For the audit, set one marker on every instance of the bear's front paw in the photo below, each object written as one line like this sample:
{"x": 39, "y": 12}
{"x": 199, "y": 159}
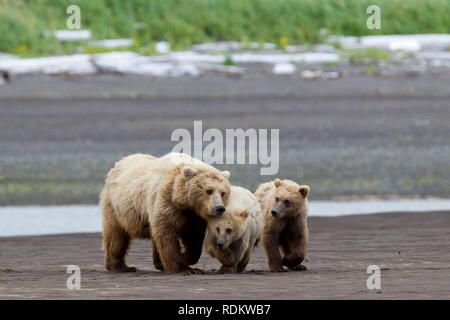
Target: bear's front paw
{"x": 189, "y": 270}
{"x": 122, "y": 268}
{"x": 228, "y": 261}
{"x": 279, "y": 269}
{"x": 225, "y": 269}
{"x": 226, "y": 257}
{"x": 300, "y": 267}
{"x": 130, "y": 269}
{"x": 159, "y": 266}
{"x": 292, "y": 260}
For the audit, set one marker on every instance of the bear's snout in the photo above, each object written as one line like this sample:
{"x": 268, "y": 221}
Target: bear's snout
{"x": 274, "y": 213}
{"x": 219, "y": 245}
{"x": 220, "y": 210}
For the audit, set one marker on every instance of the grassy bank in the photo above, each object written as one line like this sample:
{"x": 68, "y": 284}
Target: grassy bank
{"x": 182, "y": 23}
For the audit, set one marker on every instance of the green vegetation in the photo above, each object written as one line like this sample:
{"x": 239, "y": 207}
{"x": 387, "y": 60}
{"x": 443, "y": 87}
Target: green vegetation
{"x": 183, "y": 23}
{"x": 331, "y": 64}
{"x": 371, "y": 54}
{"x": 371, "y": 69}
{"x": 229, "y": 60}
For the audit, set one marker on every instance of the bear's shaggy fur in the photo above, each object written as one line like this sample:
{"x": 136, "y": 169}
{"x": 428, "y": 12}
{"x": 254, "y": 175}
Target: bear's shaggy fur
{"x": 232, "y": 237}
{"x": 167, "y": 199}
{"x": 285, "y": 207}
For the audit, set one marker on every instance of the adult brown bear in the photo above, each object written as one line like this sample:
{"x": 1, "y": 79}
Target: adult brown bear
{"x": 168, "y": 199}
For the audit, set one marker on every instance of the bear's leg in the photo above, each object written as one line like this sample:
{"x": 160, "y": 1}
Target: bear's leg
{"x": 244, "y": 261}
{"x": 168, "y": 246}
{"x": 295, "y": 258}
{"x": 193, "y": 234}
{"x": 297, "y": 244}
{"x": 271, "y": 247}
{"x": 224, "y": 269}
{"x": 284, "y": 244}
{"x": 156, "y": 258}
{"x": 193, "y": 245}
{"x": 225, "y": 257}
{"x": 116, "y": 243}
{"x": 116, "y": 240}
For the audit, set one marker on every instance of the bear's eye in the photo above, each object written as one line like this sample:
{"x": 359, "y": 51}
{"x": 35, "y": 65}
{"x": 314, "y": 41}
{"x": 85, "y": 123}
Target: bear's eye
{"x": 286, "y": 203}
{"x": 277, "y": 199}
{"x": 209, "y": 191}
{"x": 218, "y": 229}
{"x": 223, "y": 194}
{"x": 228, "y": 230}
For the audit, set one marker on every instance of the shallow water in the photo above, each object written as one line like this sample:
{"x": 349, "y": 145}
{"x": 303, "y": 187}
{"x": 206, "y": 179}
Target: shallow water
{"x": 44, "y": 220}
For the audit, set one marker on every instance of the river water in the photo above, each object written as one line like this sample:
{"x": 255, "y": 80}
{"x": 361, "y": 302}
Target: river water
{"x": 45, "y": 220}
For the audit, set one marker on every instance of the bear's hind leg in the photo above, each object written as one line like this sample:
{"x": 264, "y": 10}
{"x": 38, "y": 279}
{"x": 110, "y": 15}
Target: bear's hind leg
{"x": 156, "y": 258}
{"x": 116, "y": 242}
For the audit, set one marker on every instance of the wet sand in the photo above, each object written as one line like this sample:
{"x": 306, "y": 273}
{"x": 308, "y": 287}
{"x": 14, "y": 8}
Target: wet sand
{"x": 412, "y": 250}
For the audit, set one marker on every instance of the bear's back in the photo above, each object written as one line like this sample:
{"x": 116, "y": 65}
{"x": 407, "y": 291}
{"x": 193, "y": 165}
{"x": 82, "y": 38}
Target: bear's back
{"x": 174, "y": 159}
{"x": 265, "y": 195}
{"x": 132, "y": 179}
{"x": 130, "y": 167}
{"x": 241, "y": 198}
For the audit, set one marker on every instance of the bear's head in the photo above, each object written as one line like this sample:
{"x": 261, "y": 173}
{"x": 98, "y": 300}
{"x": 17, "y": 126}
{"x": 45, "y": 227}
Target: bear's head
{"x": 229, "y": 227}
{"x": 203, "y": 189}
{"x": 290, "y": 198}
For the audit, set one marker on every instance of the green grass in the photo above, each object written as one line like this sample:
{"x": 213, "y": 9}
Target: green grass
{"x": 331, "y": 64}
{"x": 228, "y": 61}
{"x": 371, "y": 69}
{"x": 183, "y": 23}
{"x": 371, "y": 54}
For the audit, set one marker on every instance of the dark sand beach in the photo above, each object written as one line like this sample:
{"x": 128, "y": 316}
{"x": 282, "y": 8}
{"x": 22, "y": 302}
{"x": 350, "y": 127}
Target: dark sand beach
{"x": 412, "y": 250}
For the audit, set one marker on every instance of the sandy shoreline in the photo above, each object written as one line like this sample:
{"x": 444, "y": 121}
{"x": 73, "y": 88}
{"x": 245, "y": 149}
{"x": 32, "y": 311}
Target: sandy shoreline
{"x": 410, "y": 248}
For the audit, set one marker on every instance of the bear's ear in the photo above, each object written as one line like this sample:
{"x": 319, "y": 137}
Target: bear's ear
{"x": 189, "y": 172}
{"x": 226, "y": 174}
{"x": 277, "y": 182}
{"x": 244, "y": 214}
{"x": 304, "y": 191}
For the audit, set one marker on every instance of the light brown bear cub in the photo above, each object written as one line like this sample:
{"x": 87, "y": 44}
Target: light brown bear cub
{"x": 285, "y": 207}
{"x": 232, "y": 237}
{"x": 168, "y": 199}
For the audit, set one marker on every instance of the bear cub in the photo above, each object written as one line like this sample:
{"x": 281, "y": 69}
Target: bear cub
{"x": 285, "y": 208}
{"x": 232, "y": 237}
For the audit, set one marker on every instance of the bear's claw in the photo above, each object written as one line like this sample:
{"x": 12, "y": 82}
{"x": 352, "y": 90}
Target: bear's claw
{"x": 122, "y": 269}
{"x": 189, "y": 270}
{"x": 300, "y": 267}
{"x": 130, "y": 269}
{"x": 225, "y": 269}
{"x": 159, "y": 267}
{"x": 280, "y": 269}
